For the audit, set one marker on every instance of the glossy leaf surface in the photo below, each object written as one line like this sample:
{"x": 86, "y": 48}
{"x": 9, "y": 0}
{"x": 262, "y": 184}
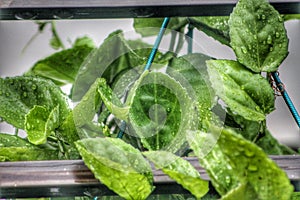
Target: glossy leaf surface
{"x": 180, "y": 170}
{"x": 238, "y": 168}
{"x": 244, "y": 92}
{"x": 257, "y": 35}
{"x": 118, "y": 165}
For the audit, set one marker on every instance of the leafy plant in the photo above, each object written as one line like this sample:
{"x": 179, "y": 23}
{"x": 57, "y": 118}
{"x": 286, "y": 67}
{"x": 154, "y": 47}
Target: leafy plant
{"x": 164, "y": 115}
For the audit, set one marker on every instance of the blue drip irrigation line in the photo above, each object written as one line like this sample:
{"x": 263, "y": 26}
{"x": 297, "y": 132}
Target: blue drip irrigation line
{"x": 157, "y": 42}
{"x": 286, "y": 98}
{"x": 149, "y": 62}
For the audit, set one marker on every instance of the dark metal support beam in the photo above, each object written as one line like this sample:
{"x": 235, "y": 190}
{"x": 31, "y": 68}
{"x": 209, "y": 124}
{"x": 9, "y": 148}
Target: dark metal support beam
{"x": 73, "y": 178}
{"x": 94, "y": 9}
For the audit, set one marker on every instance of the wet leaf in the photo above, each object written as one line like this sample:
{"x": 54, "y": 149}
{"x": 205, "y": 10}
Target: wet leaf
{"x": 14, "y": 148}
{"x": 180, "y": 170}
{"x": 191, "y": 71}
{"x": 85, "y": 110}
{"x": 161, "y": 112}
{"x": 62, "y": 67}
{"x": 244, "y": 92}
{"x": 111, "y": 101}
{"x": 115, "y": 56}
{"x": 257, "y": 35}
{"x": 18, "y": 95}
{"x": 238, "y": 168}
{"x": 41, "y": 123}
{"x": 118, "y": 165}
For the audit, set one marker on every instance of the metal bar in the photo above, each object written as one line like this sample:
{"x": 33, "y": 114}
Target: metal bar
{"x": 95, "y": 9}
{"x": 73, "y": 178}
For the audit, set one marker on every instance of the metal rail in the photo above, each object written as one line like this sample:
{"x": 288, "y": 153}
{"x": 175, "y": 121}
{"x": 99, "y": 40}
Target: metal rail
{"x": 73, "y": 178}
{"x": 95, "y": 9}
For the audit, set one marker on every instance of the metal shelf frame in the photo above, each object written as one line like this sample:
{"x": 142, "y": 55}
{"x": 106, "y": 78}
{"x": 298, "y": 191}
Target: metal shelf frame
{"x": 72, "y": 178}
{"x": 95, "y": 9}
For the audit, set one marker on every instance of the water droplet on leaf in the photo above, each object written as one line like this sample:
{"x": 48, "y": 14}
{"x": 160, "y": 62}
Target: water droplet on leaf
{"x": 33, "y": 87}
{"x": 252, "y": 168}
{"x": 249, "y": 153}
{"x": 269, "y": 39}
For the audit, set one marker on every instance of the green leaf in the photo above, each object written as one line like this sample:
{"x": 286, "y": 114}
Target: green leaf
{"x": 258, "y": 36}
{"x": 150, "y": 26}
{"x": 238, "y": 168}
{"x": 86, "y": 109}
{"x": 161, "y": 112}
{"x": 14, "y": 148}
{"x": 62, "y": 67}
{"x": 40, "y": 123}
{"x": 7, "y": 140}
{"x": 244, "y": 92}
{"x": 191, "y": 71}
{"x": 111, "y": 101}
{"x": 67, "y": 131}
{"x": 216, "y": 27}
{"x": 18, "y": 95}
{"x": 112, "y": 59}
{"x": 118, "y": 165}
{"x": 180, "y": 170}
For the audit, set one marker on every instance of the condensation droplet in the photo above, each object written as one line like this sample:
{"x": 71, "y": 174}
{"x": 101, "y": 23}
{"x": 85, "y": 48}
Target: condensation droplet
{"x": 269, "y": 39}
{"x": 244, "y": 49}
{"x": 33, "y": 87}
{"x": 249, "y": 153}
{"x": 252, "y": 168}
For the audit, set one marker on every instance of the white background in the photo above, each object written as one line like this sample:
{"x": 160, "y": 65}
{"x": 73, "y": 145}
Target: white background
{"x": 15, "y": 34}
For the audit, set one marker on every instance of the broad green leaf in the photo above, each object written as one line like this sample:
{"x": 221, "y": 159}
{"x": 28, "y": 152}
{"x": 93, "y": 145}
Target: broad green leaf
{"x": 115, "y": 56}
{"x": 161, "y": 112}
{"x": 191, "y": 71}
{"x": 180, "y": 170}
{"x": 86, "y": 109}
{"x": 111, "y": 101}
{"x": 14, "y": 148}
{"x": 67, "y": 131}
{"x": 150, "y": 26}
{"x": 244, "y": 92}
{"x": 243, "y": 191}
{"x": 7, "y": 140}
{"x": 118, "y": 165}
{"x": 257, "y": 35}
{"x": 18, "y": 95}
{"x": 215, "y": 27}
{"x": 27, "y": 154}
{"x": 62, "y": 67}
{"x": 41, "y": 123}
{"x": 238, "y": 168}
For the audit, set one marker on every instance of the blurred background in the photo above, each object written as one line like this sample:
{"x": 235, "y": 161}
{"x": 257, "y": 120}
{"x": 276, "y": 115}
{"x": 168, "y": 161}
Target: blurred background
{"x": 14, "y": 35}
